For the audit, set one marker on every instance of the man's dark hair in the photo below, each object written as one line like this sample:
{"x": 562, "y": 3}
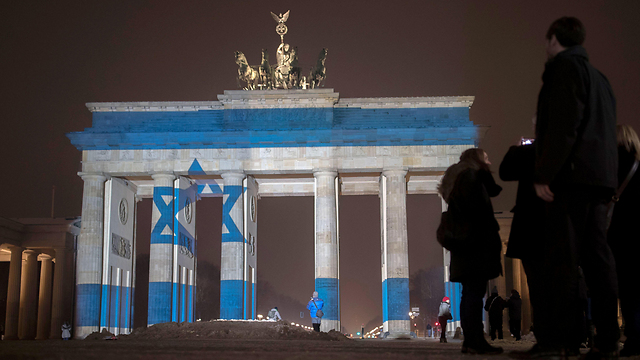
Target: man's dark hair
{"x": 568, "y": 30}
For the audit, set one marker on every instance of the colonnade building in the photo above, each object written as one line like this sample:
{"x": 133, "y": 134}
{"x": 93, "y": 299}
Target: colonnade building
{"x": 38, "y": 302}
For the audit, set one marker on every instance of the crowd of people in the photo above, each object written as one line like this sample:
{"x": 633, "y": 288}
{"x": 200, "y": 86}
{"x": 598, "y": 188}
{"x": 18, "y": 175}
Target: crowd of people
{"x": 573, "y": 242}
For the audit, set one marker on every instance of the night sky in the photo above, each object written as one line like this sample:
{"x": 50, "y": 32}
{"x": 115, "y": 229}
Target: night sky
{"x": 56, "y": 56}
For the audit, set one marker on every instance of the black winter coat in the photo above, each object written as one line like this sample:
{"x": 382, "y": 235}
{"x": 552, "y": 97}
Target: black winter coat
{"x": 494, "y": 305}
{"x": 524, "y": 239}
{"x": 470, "y": 206}
{"x": 514, "y": 303}
{"x": 576, "y": 124}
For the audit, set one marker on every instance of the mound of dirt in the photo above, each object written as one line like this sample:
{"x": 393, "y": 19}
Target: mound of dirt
{"x": 103, "y": 335}
{"x": 221, "y": 329}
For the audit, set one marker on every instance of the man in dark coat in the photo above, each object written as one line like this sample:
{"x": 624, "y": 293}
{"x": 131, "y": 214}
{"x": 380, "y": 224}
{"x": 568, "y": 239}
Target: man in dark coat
{"x": 514, "y": 303}
{"x": 575, "y": 174}
{"x": 494, "y": 305}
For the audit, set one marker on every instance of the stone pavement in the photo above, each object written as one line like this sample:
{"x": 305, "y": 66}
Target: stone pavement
{"x": 187, "y": 349}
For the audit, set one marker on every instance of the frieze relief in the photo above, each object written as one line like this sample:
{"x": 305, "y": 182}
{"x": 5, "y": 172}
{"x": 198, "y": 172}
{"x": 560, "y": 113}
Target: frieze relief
{"x": 185, "y": 245}
{"x": 120, "y": 246}
{"x": 150, "y": 154}
{"x": 126, "y": 155}
{"x": 102, "y": 155}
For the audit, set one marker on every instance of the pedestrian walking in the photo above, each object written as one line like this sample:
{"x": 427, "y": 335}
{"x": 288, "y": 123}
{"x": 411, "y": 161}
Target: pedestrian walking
{"x": 444, "y": 314}
{"x": 469, "y": 230}
{"x": 625, "y": 248}
{"x": 575, "y": 174}
{"x": 494, "y": 305}
{"x": 514, "y": 304}
{"x": 315, "y": 306}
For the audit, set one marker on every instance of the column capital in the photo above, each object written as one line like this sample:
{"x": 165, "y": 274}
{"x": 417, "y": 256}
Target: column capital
{"x": 325, "y": 172}
{"x": 394, "y": 172}
{"x": 233, "y": 175}
{"x": 163, "y": 176}
{"x": 93, "y": 176}
{"x": 43, "y": 257}
{"x": 13, "y": 248}
{"x": 30, "y": 252}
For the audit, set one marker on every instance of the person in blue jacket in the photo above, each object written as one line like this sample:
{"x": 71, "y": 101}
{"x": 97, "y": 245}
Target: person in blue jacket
{"x": 315, "y": 310}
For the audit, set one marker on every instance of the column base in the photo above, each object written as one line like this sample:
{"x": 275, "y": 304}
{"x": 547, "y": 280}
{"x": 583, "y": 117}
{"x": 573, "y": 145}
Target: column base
{"x": 397, "y": 329}
{"x": 328, "y": 325}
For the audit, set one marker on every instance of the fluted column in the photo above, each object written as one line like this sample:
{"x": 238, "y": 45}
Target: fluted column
{"x": 57, "y": 301}
{"x": 13, "y": 294}
{"x": 161, "y": 250}
{"x": 89, "y": 257}
{"x": 232, "y": 254}
{"x": 44, "y": 298}
{"x": 326, "y": 249}
{"x": 395, "y": 249}
{"x": 28, "y": 296}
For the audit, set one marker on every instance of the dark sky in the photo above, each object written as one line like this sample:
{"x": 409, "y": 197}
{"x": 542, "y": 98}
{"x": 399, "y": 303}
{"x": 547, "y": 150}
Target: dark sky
{"x": 56, "y": 56}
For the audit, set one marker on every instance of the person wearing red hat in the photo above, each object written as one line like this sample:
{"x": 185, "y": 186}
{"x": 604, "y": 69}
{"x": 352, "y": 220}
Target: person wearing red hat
{"x": 444, "y": 314}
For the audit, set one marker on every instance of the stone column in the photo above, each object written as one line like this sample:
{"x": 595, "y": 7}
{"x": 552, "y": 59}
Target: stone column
{"x": 28, "y": 296}
{"x": 232, "y": 262}
{"x": 57, "y": 303}
{"x": 44, "y": 298}
{"x": 13, "y": 294}
{"x": 161, "y": 250}
{"x": 326, "y": 249}
{"x": 89, "y": 257}
{"x": 395, "y": 274}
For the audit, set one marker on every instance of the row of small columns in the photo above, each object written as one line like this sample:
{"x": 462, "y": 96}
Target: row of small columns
{"x": 21, "y": 322}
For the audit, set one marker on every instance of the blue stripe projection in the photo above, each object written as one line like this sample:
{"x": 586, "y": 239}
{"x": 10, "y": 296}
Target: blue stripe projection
{"x": 385, "y": 305}
{"x": 453, "y": 291}
{"x": 395, "y": 299}
{"x": 104, "y": 306}
{"x": 132, "y": 307}
{"x": 234, "y": 235}
{"x": 88, "y": 305}
{"x": 183, "y": 303}
{"x": 231, "y": 299}
{"x": 246, "y": 128}
{"x": 159, "y": 303}
{"x": 328, "y": 289}
{"x": 175, "y": 309}
{"x": 111, "y": 305}
{"x": 126, "y": 307}
{"x": 166, "y": 215}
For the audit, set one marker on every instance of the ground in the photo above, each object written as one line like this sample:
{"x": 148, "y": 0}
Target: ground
{"x": 240, "y": 340}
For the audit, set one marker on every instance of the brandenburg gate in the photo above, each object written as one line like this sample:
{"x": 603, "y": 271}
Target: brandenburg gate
{"x": 283, "y": 135}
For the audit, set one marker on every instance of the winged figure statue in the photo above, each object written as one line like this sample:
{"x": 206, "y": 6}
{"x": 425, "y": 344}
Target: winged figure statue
{"x": 281, "y": 19}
